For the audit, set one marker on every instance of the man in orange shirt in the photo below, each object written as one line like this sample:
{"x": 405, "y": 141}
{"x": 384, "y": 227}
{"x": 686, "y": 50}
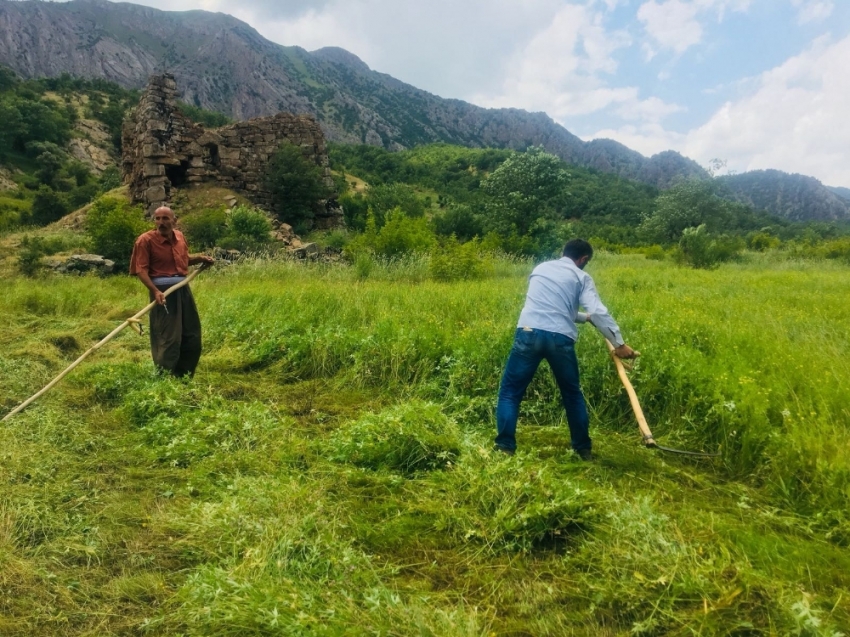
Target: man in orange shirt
{"x": 161, "y": 259}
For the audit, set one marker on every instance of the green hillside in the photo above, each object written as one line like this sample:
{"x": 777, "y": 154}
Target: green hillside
{"x": 42, "y": 180}
{"x": 456, "y": 187}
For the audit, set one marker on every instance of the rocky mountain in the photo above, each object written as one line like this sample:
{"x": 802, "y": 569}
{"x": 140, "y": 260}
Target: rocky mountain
{"x": 792, "y": 196}
{"x": 223, "y": 64}
{"x": 844, "y": 193}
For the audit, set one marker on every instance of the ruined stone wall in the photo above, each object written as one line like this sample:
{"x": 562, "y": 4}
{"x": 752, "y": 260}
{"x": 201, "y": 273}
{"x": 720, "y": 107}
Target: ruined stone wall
{"x": 163, "y": 149}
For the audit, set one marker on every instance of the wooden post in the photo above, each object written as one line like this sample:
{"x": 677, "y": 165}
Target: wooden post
{"x": 648, "y": 438}
{"x": 132, "y": 320}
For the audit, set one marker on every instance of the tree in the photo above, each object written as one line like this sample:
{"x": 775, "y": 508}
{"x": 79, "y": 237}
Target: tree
{"x": 296, "y": 184}
{"x": 14, "y": 128}
{"x": 48, "y": 206}
{"x": 525, "y": 188}
{"x": 113, "y": 225}
{"x": 382, "y": 199}
{"x": 459, "y": 220}
{"x": 689, "y": 204}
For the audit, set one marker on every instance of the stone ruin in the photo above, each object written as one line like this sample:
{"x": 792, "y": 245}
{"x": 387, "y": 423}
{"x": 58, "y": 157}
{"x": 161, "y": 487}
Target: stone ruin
{"x": 163, "y": 149}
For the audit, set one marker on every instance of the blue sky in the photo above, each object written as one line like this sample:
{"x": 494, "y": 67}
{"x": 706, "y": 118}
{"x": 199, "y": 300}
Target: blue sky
{"x": 758, "y": 83}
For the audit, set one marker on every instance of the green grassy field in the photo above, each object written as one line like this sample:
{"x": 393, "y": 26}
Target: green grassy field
{"x": 328, "y": 471}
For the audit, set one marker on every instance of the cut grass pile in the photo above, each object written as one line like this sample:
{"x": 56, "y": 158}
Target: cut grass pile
{"x": 328, "y": 471}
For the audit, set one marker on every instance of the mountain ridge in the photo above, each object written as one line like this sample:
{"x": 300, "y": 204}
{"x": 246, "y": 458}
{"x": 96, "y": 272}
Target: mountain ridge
{"x": 223, "y": 64}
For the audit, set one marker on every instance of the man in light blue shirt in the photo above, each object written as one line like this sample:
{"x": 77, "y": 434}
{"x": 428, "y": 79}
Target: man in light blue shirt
{"x": 547, "y": 329}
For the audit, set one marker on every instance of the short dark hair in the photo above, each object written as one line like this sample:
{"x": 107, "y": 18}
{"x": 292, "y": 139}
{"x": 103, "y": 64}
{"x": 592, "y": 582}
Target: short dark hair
{"x": 578, "y": 248}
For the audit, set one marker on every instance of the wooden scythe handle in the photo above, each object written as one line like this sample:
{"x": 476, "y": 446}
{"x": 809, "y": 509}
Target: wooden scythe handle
{"x": 648, "y": 438}
{"x": 133, "y": 319}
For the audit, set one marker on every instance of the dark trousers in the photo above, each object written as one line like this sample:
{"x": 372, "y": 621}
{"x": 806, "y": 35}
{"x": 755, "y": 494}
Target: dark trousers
{"x": 176, "y": 334}
{"x": 530, "y": 347}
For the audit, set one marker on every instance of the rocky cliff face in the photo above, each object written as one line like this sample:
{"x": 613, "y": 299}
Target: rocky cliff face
{"x": 223, "y": 64}
{"x": 794, "y": 197}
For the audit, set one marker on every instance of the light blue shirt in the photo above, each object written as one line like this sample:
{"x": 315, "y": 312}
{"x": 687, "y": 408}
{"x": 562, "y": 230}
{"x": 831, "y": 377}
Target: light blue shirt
{"x": 556, "y": 290}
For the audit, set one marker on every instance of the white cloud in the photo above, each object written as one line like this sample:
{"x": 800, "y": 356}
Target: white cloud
{"x": 564, "y": 70}
{"x": 676, "y": 24}
{"x": 813, "y": 10}
{"x": 793, "y": 118}
{"x": 647, "y": 139}
{"x": 650, "y": 111}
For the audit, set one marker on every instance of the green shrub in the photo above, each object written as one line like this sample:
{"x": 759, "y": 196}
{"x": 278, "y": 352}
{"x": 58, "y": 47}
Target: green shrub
{"x": 113, "y": 225}
{"x": 296, "y": 184}
{"x": 459, "y": 220}
{"x": 457, "y": 261}
{"x": 355, "y": 209}
{"x": 761, "y": 241}
{"x": 337, "y": 239}
{"x": 82, "y": 195}
{"x": 363, "y": 265}
{"x": 700, "y": 249}
{"x": 110, "y": 179}
{"x": 247, "y": 230}
{"x": 205, "y": 228}
{"x": 415, "y": 436}
{"x": 14, "y": 212}
{"x": 48, "y": 206}
{"x": 29, "y": 255}
{"x": 385, "y": 199}
{"x": 400, "y": 235}
{"x": 655, "y": 253}
{"x": 837, "y": 249}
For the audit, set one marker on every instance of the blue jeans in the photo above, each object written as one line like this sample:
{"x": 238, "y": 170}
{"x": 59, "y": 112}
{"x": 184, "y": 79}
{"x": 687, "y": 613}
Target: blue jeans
{"x": 531, "y": 347}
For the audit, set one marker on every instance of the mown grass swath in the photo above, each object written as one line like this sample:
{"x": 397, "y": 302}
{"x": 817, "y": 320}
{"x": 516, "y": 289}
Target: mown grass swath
{"x": 328, "y": 470}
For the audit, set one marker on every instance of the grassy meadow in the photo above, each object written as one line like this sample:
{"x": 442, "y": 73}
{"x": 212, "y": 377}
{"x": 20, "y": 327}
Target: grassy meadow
{"x": 328, "y": 471}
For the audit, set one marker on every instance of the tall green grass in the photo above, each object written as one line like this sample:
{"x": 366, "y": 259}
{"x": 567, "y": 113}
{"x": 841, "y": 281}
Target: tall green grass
{"x": 328, "y": 471}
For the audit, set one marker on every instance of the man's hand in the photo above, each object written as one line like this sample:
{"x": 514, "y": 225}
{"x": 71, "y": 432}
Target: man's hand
{"x": 159, "y": 297}
{"x": 624, "y": 351}
{"x": 205, "y": 261}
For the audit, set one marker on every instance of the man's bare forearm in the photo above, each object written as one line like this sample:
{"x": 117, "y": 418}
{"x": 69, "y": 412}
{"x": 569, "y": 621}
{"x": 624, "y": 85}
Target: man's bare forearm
{"x": 145, "y": 278}
{"x": 203, "y": 259}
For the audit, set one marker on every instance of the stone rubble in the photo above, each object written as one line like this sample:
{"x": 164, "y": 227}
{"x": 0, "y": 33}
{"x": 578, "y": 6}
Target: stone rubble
{"x": 163, "y": 150}
{"x": 83, "y": 263}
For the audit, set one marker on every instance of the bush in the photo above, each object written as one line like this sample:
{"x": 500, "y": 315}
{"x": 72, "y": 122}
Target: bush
{"x": 837, "y": 249}
{"x": 363, "y": 265}
{"x": 110, "y": 179}
{"x": 415, "y": 436}
{"x": 384, "y": 199}
{"x": 400, "y": 235}
{"x": 48, "y": 206}
{"x": 13, "y": 212}
{"x": 247, "y": 229}
{"x": 699, "y": 249}
{"x": 456, "y": 261}
{"x": 82, "y": 195}
{"x": 355, "y": 209}
{"x": 761, "y": 241}
{"x": 655, "y": 253}
{"x": 297, "y": 185}
{"x": 113, "y": 225}
{"x": 29, "y": 256}
{"x": 459, "y": 220}
{"x": 205, "y": 228}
